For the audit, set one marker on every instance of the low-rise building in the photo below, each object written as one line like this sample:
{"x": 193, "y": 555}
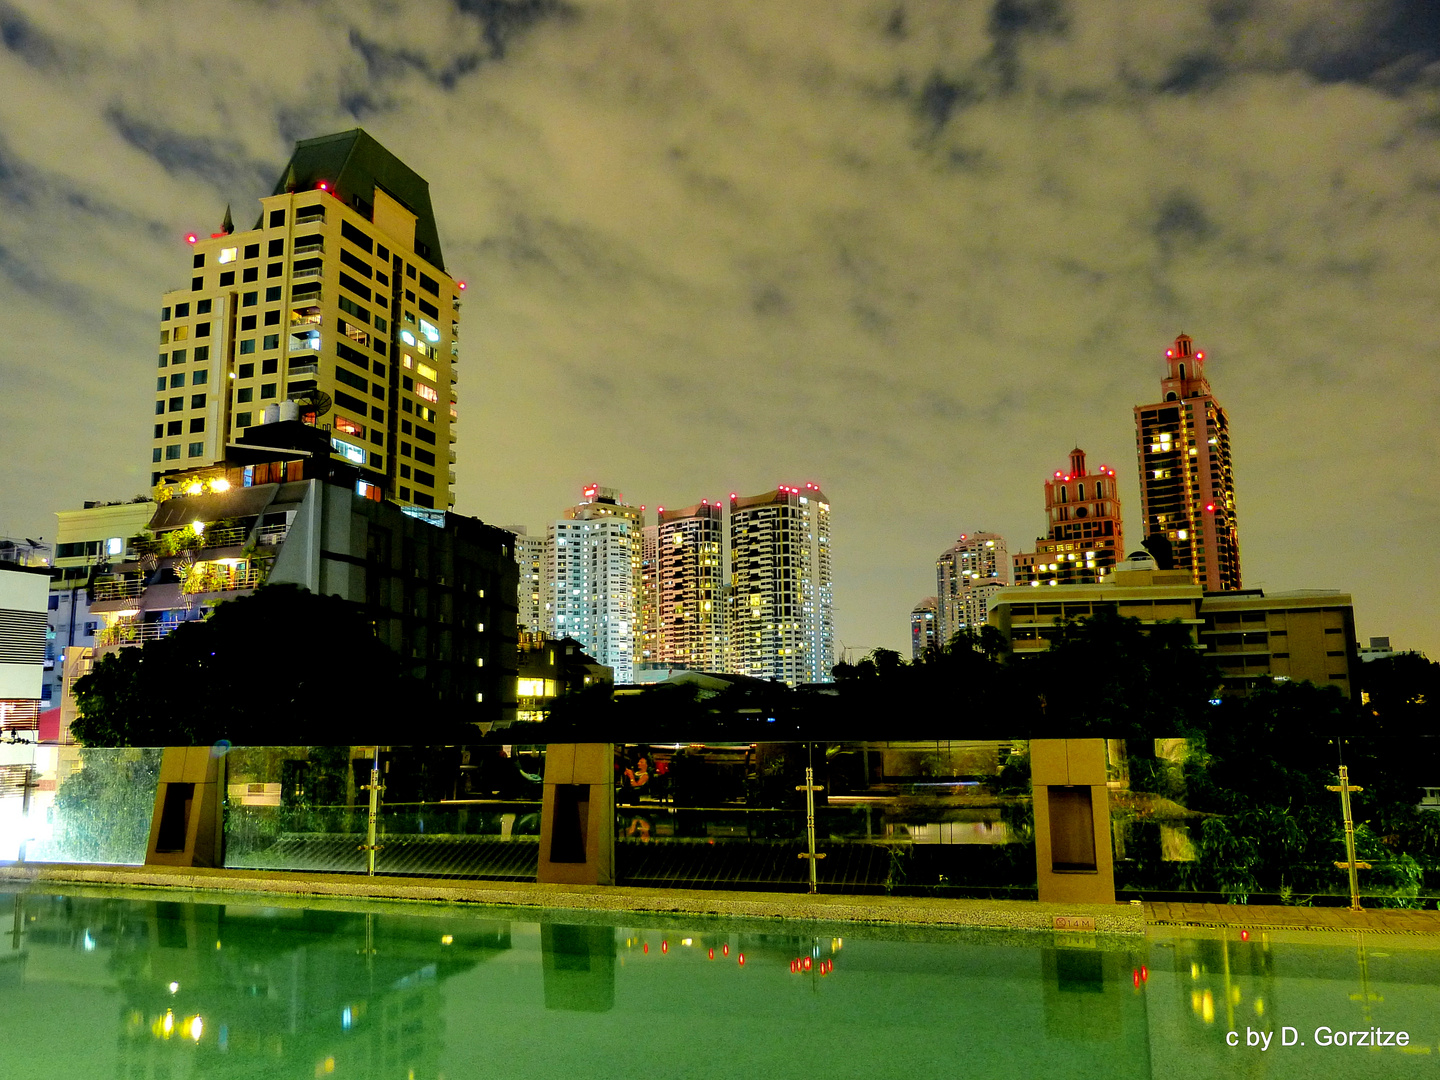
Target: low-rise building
{"x": 1305, "y": 636}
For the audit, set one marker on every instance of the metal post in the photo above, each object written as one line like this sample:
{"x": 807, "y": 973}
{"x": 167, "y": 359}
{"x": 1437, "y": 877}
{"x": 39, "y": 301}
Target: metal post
{"x": 25, "y": 787}
{"x": 370, "y": 847}
{"x": 810, "y": 787}
{"x": 1349, "y": 838}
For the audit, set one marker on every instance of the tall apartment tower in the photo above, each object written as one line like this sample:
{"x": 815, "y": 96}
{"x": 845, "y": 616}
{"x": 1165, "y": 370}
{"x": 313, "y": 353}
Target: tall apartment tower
{"x": 1187, "y": 484}
{"x": 690, "y": 624}
{"x": 966, "y": 576}
{"x": 924, "y": 630}
{"x": 781, "y": 618}
{"x": 589, "y": 590}
{"x": 1084, "y": 536}
{"x": 649, "y": 617}
{"x": 530, "y": 594}
{"x": 599, "y": 503}
{"x": 336, "y": 309}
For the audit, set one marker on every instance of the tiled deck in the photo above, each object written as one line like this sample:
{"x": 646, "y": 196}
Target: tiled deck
{"x": 1263, "y": 917}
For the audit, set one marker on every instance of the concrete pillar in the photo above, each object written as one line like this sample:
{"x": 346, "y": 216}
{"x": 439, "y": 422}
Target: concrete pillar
{"x": 577, "y": 817}
{"x": 1074, "y": 860}
{"x": 186, "y": 828}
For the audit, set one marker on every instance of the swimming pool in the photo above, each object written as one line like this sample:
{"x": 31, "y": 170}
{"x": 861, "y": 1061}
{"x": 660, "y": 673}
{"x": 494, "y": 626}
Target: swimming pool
{"x": 96, "y": 984}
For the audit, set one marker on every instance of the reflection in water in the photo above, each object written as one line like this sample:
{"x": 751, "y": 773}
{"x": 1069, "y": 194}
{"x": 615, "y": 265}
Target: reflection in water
{"x": 109, "y": 987}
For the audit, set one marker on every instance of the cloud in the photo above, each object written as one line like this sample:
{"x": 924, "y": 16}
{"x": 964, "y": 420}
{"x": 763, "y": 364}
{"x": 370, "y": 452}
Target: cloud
{"x": 911, "y": 251}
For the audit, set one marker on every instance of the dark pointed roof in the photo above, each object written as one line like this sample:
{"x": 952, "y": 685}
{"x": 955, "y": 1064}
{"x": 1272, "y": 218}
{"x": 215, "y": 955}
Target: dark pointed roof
{"x": 354, "y": 164}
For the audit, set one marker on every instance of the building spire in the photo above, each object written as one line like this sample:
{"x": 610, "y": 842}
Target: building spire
{"x": 228, "y": 225}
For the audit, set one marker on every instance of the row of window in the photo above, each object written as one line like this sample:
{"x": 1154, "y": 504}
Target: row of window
{"x": 177, "y": 404}
{"x": 199, "y": 377}
{"x": 172, "y": 452}
{"x": 178, "y": 356}
{"x": 175, "y": 427}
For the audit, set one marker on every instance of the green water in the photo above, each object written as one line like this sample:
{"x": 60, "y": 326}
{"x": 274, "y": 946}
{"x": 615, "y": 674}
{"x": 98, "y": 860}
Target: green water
{"x": 127, "y": 986}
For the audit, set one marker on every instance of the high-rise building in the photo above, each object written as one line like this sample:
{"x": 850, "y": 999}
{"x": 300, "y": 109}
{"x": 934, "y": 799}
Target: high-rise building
{"x": 336, "y": 308}
{"x": 1187, "y": 485}
{"x": 966, "y": 576}
{"x": 924, "y": 627}
{"x": 649, "y": 616}
{"x": 690, "y": 626}
{"x": 530, "y": 594}
{"x": 589, "y": 591}
{"x": 781, "y": 620}
{"x": 1084, "y": 533}
{"x": 597, "y": 504}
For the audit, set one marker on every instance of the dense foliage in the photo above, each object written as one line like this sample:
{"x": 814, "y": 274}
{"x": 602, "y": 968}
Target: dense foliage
{"x": 282, "y": 666}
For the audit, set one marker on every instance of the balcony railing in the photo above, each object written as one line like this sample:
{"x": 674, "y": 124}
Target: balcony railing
{"x": 308, "y": 272}
{"x": 305, "y": 249}
{"x": 273, "y": 536}
{"x": 313, "y": 213}
{"x": 202, "y": 581}
{"x": 128, "y": 633}
{"x": 119, "y": 588}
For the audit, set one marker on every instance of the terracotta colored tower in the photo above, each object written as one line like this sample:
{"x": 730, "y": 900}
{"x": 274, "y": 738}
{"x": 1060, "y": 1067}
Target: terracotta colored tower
{"x": 1187, "y": 485}
{"x": 1084, "y": 534}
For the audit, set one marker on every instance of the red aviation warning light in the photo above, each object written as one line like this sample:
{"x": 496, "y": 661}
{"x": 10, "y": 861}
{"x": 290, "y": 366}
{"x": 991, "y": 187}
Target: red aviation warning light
{"x": 191, "y": 238}
{"x": 323, "y": 185}
{"x": 461, "y": 286}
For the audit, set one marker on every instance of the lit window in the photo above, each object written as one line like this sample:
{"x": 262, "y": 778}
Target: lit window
{"x": 430, "y": 332}
{"x": 227, "y": 255}
{"x": 425, "y": 371}
{"x": 405, "y": 335}
{"x": 348, "y": 426}
{"x": 421, "y": 390}
{"x": 347, "y": 451}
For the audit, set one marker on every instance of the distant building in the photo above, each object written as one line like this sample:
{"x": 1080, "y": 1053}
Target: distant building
{"x": 1084, "y": 534}
{"x": 530, "y": 592}
{"x": 1187, "y": 483}
{"x": 438, "y": 588}
{"x": 967, "y": 575}
{"x": 925, "y": 627}
{"x": 551, "y": 668}
{"x": 23, "y": 592}
{"x": 690, "y": 626}
{"x": 336, "y": 301}
{"x": 781, "y": 608}
{"x": 599, "y": 503}
{"x": 1379, "y": 648}
{"x": 88, "y": 542}
{"x": 648, "y": 618}
{"x": 1253, "y": 636}
{"x": 591, "y": 557}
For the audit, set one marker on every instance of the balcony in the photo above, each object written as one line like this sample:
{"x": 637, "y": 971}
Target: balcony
{"x": 452, "y": 477}
{"x": 308, "y": 248}
{"x": 273, "y": 535}
{"x": 119, "y": 588}
{"x": 308, "y": 272}
{"x": 130, "y": 633}
{"x": 305, "y": 341}
{"x": 219, "y": 577}
{"x": 302, "y": 367}
{"x": 309, "y": 214}
{"x": 452, "y": 457}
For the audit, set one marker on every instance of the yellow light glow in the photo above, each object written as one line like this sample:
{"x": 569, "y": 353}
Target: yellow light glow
{"x": 220, "y": 485}
{"x": 199, "y": 527}
{"x": 194, "y": 489}
{"x": 197, "y": 1028}
{"x": 168, "y": 1024}
{"x": 448, "y": 939}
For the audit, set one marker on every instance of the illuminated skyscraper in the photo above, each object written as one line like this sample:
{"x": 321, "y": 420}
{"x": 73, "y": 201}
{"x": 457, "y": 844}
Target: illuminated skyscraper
{"x": 781, "y": 620}
{"x": 588, "y": 590}
{"x": 335, "y": 308}
{"x": 966, "y": 576}
{"x": 690, "y": 626}
{"x": 598, "y": 504}
{"x": 1187, "y": 485}
{"x": 1084, "y": 535}
{"x": 924, "y": 628}
{"x": 530, "y": 598}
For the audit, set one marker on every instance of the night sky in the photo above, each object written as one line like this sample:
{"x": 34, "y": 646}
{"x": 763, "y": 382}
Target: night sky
{"x": 913, "y": 252}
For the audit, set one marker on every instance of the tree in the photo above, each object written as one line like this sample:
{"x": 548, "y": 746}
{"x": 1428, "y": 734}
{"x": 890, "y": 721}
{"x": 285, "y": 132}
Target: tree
{"x": 1114, "y": 677}
{"x": 282, "y": 666}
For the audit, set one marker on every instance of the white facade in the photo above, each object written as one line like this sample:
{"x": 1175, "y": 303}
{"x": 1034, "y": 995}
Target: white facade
{"x": 530, "y": 592}
{"x": 589, "y": 589}
{"x": 966, "y": 577}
